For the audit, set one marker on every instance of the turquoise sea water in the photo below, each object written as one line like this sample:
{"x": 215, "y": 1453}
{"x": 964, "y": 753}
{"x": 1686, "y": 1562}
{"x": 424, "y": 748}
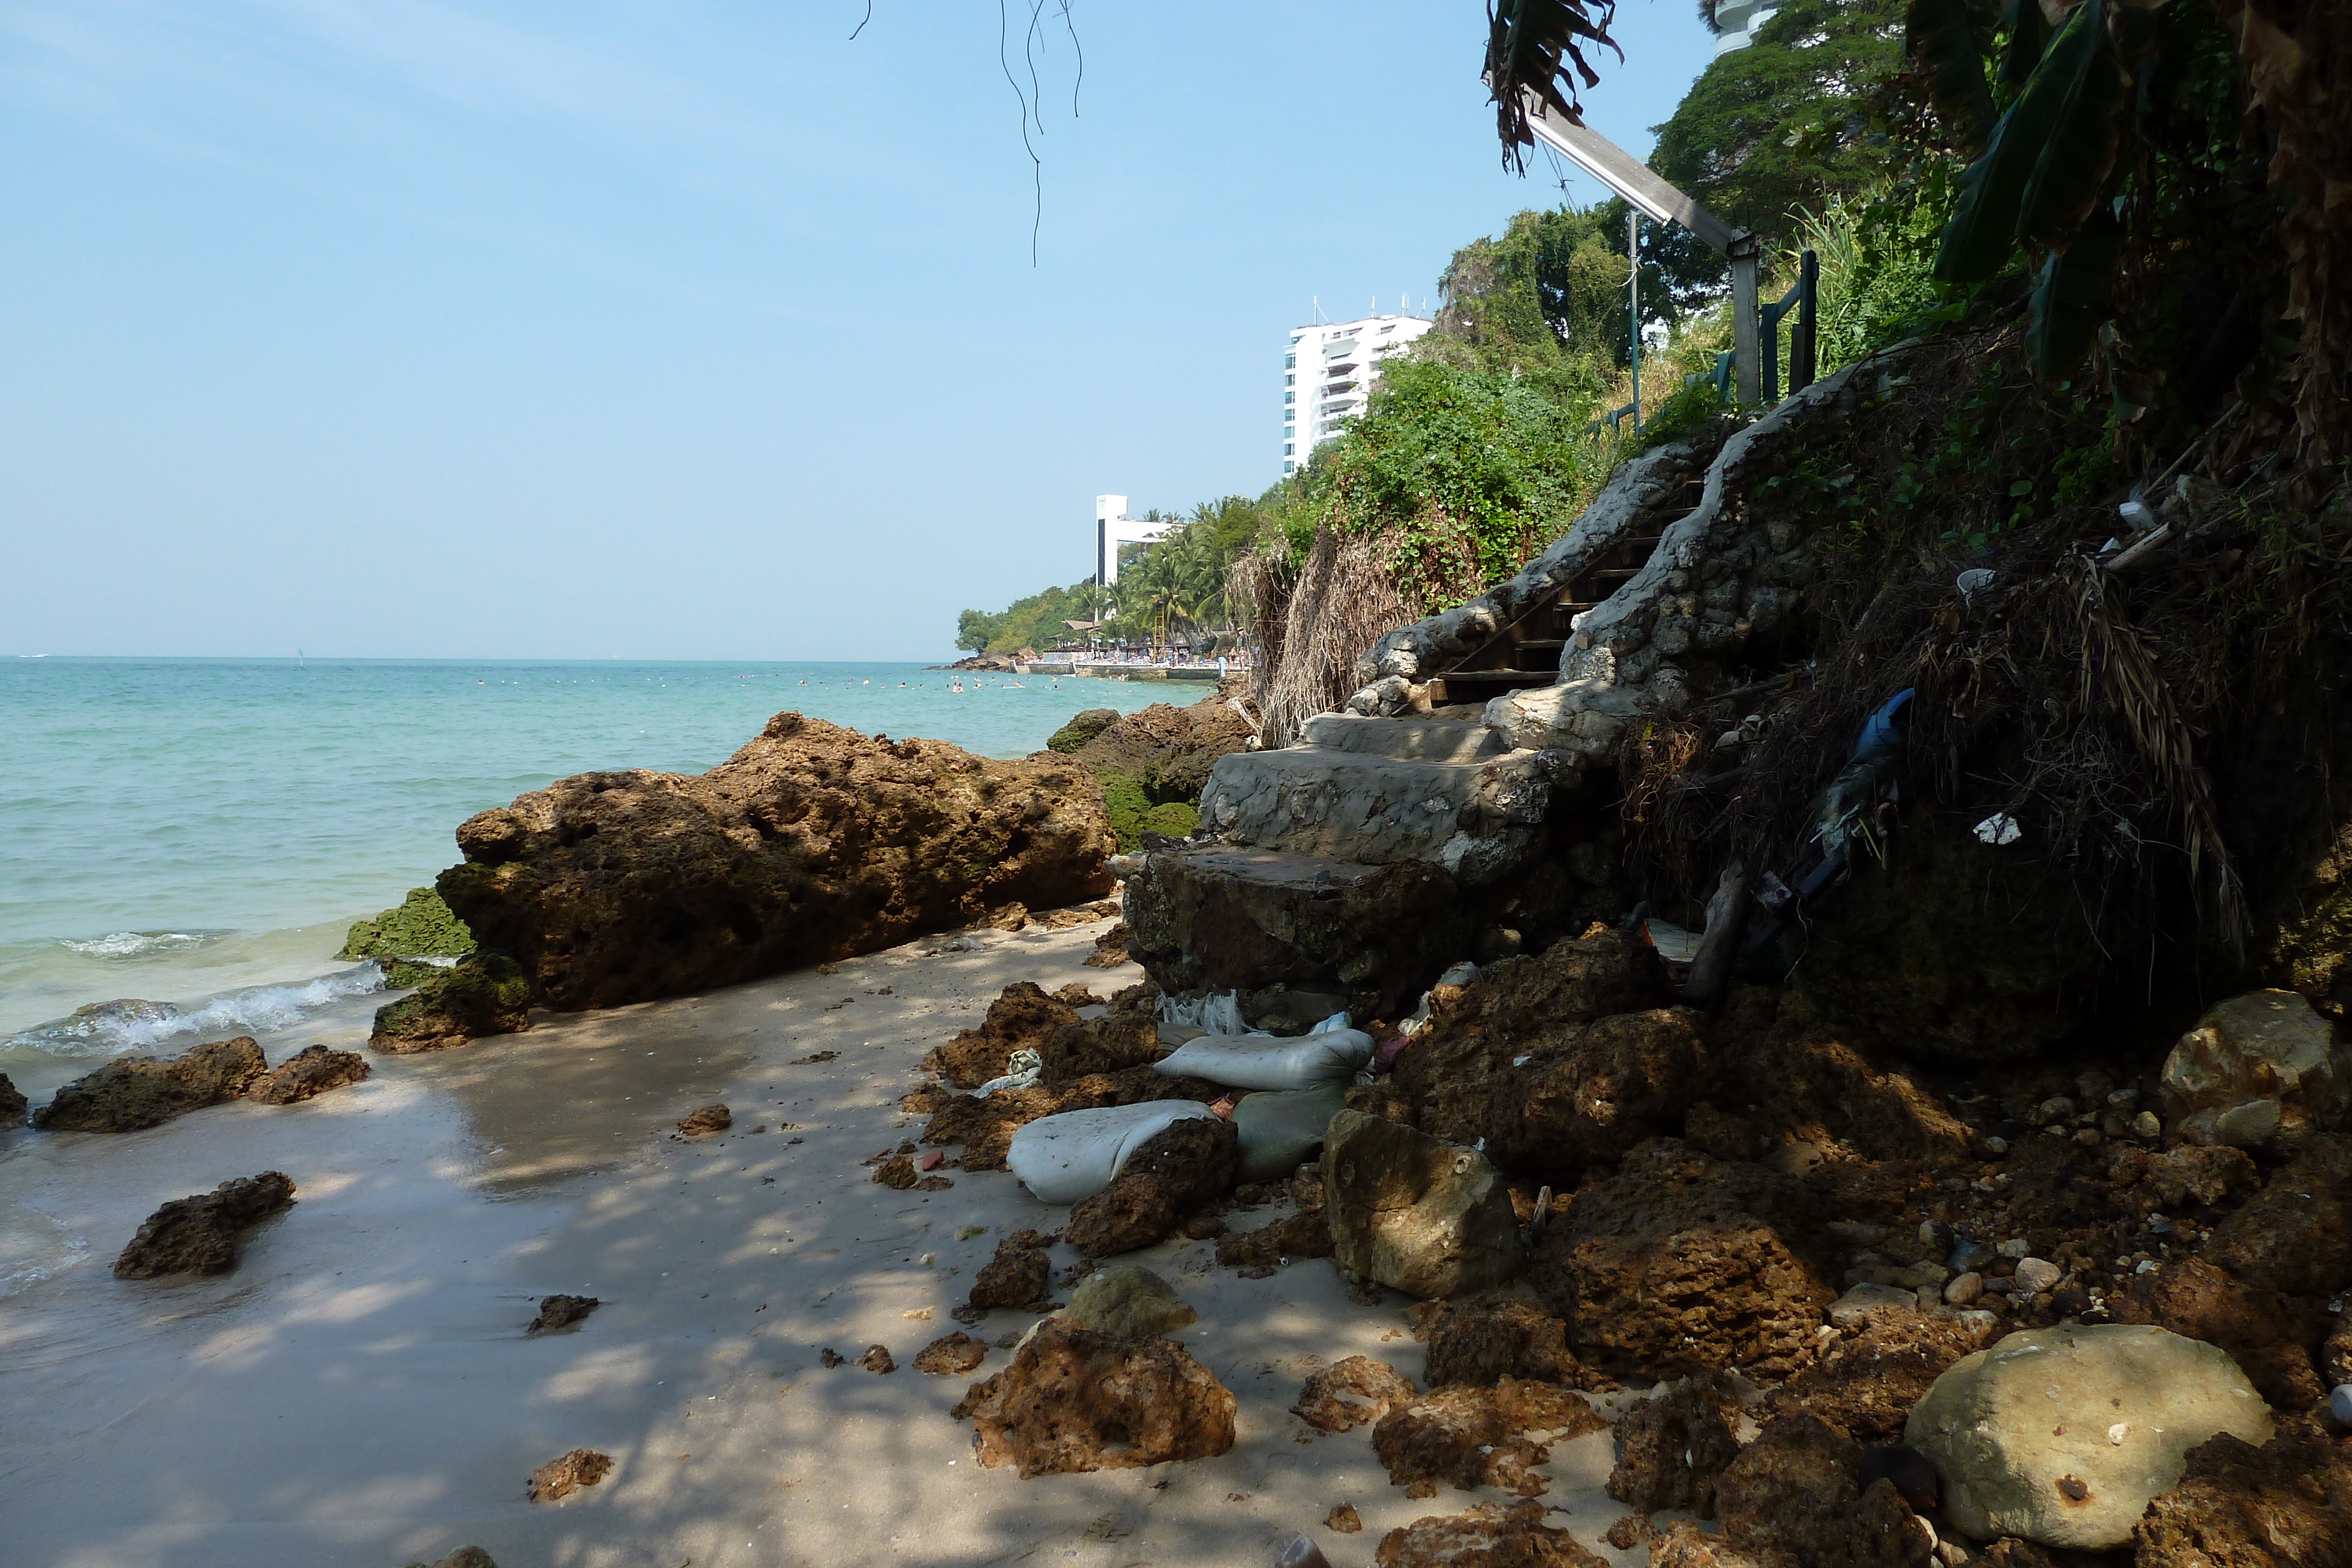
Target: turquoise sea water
{"x": 201, "y": 833}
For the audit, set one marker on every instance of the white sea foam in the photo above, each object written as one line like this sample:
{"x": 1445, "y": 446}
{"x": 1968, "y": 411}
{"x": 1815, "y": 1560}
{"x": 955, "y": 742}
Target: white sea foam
{"x": 33, "y": 1247}
{"x": 114, "y": 1029}
{"x": 139, "y": 943}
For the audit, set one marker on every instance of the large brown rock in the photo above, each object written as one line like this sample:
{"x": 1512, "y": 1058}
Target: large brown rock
{"x": 143, "y": 1091}
{"x": 308, "y": 1072}
{"x": 1022, "y": 1018}
{"x": 2287, "y": 1504}
{"x": 2269, "y": 1334}
{"x": 487, "y": 994}
{"x": 1794, "y": 1496}
{"x": 1019, "y": 1274}
{"x": 1866, "y": 1384}
{"x": 1517, "y": 1010}
{"x": 1428, "y": 1217}
{"x": 1167, "y": 749}
{"x": 1680, "y": 1263}
{"x": 1076, "y": 1400}
{"x": 1483, "y": 1339}
{"x": 1491, "y": 1535}
{"x": 1174, "y": 1172}
{"x": 198, "y": 1235}
{"x": 1352, "y": 1392}
{"x": 1605, "y": 1087}
{"x": 811, "y": 842}
{"x": 1815, "y": 1085}
{"x": 12, "y": 1103}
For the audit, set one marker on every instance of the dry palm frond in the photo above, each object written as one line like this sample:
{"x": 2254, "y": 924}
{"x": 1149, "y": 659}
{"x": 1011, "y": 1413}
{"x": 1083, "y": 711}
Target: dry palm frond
{"x": 1532, "y": 47}
{"x": 1343, "y": 600}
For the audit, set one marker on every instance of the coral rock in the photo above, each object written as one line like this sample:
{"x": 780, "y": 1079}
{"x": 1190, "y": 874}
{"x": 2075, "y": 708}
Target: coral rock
{"x": 952, "y": 1356}
{"x": 198, "y": 1235}
{"x": 138, "y": 1092}
{"x": 561, "y": 1313}
{"x": 1491, "y": 1535}
{"x": 2295, "y": 1235}
{"x": 1021, "y": 1018}
{"x": 464, "y": 1556}
{"x": 1681, "y": 1263}
{"x": 1174, "y": 1171}
{"x": 1470, "y": 1436}
{"x": 1129, "y": 1302}
{"x": 1483, "y": 1339}
{"x": 1352, "y": 1392}
{"x": 560, "y": 1477}
{"x": 312, "y": 1071}
{"x": 2268, "y": 1334}
{"x": 708, "y": 1120}
{"x": 1017, "y": 1276}
{"x": 811, "y": 842}
{"x": 1673, "y": 1445}
{"x": 1296, "y": 1235}
{"x": 1867, "y": 1383}
{"x": 877, "y": 1359}
{"x": 2287, "y": 1504}
{"x": 1076, "y": 1400}
{"x": 1606, "y": 1087}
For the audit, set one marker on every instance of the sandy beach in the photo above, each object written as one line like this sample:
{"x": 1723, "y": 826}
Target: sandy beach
{"x": 360, "y": 1390}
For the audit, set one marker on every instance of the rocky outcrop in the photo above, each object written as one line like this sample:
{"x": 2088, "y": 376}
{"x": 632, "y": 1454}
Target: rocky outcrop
{"x": 308, "y": 1072}
{"x": 419, "y": 926}
{"x": 1173, "y": 1173}
{"x": 1076, "y": 1400}
{"x": 2270, "y": 1334}
{"x": 1795, "y": 1495}
{"x": 1559, "y": 1108}
{"x": 567, "y": 1473}
{"x": 1167, "y": 750}
{"x": 464, "y": 1557}
{"x": 1491, "y": 1535}
{"x": 198, "y": 1235}
{"x": 1680, "y": 1263}
{"x": 138, "y": 1092}
{"x": 1415, "y": 1213}
{"x": 1355, "y": 1391}
{"x": 13, "y": 1103}
{"x": 2255, "y": 1069}
{"x": 1672, "y": 1446}
{"x": 812, "y": 842}
{"x": 2064, "y": 1436}
{"x": 2286, "y": 1504}
{"x": 488, "y": 994}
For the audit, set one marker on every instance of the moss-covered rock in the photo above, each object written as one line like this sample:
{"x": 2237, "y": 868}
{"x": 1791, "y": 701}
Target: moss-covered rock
{"x": 1081, "y": 729}
{"x": 143, "y": 1091}
{"x": 420, "y": 926}
{"x": 407, "y": 974}
{"x": 487, "y": 994}
{"x": 1175, "y": 818}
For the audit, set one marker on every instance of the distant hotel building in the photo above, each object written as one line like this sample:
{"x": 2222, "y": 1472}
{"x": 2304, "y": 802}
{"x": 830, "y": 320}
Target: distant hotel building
{"x": 1114, "y": 527}
{"x": 1735, "y": 22}
{"x": 1328, "y": 375}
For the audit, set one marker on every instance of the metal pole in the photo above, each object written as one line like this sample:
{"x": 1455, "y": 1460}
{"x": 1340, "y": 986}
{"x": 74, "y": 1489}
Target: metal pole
{"x": 1634, "y": 298}
{"x": 1744, "y": 322}
{"x": 1800, "y": 342}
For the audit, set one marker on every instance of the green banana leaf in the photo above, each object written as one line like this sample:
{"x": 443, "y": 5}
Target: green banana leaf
{"x": 1940, "y": 39}
{"x": 2029, "y": 36}
{"x": 2074, "y": 296}
{"x": 2058, "y": 138}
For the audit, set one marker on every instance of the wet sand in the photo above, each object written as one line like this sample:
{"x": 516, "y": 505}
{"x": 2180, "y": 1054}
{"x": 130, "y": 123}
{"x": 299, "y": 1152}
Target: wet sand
{"x": 360, "y": 1390}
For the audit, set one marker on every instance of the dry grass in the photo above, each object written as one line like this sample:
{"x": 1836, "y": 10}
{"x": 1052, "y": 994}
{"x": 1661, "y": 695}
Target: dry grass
{"x": 1314, "y": 624}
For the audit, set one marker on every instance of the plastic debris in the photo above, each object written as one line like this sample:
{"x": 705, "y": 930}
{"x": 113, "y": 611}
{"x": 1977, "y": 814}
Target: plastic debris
{"x": 2001, "y": 828}
{"x": 1022, "y": 1068}
{"x": 1974, "y": 580}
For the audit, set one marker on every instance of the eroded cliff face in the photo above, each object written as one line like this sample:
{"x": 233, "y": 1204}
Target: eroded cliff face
{"x": 812, "y": 842}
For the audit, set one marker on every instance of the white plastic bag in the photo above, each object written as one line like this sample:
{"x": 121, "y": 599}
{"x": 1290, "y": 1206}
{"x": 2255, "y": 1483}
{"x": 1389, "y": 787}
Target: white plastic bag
{"x": 1075, "y": 1154}
{"x": 1271, "y": 1061}
{"x": 1214, "y": 1012}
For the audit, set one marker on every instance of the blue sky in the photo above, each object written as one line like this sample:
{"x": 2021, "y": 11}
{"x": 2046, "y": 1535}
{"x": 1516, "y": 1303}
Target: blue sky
{"x": 682, "y": 330}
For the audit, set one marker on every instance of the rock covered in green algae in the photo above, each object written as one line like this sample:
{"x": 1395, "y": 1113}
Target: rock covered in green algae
{"x": 419, "y": 926}
{"x": 144, "y": 1091}
{"x": 1081, "y": 729}
{"x": 487, "y": 994}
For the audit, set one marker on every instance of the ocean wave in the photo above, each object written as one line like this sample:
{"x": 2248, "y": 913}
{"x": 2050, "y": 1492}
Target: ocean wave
{"x": 139, "y": 943}
{"x": 113, "y": 1028}
{"x": 33, "y": 1247}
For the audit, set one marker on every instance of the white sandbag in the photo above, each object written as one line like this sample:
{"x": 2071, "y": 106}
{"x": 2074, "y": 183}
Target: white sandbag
{"x": 1281, "y": 1129}
{"x": 1336, "y": 1021}
{"x": 1075, "y": 1154}
{"x": 1212, "y": 1012}
{"x": 1271, "y": 1061}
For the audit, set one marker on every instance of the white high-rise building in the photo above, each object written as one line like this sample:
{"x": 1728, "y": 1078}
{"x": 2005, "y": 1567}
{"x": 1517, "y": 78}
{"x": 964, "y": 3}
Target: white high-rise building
{"x": 1737, "y": 21}
{"x": 1114, "y": 527}
{"x": 1328, "y": 373}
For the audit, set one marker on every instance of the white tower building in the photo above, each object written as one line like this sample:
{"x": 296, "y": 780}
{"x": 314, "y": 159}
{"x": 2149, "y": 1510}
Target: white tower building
{"x": 1328, "y": 375}
{"x": 1114, "y": 527}
{"x": 1736, "y": 22}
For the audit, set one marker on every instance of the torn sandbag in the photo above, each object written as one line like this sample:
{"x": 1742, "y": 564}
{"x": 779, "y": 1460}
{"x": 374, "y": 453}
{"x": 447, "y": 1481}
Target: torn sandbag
{"x": 1066, "y": 1157}
{"x": 1215, "y": 1012}
{"x": 1281, "y": 1129}
{"x": 1271, "y": 1061}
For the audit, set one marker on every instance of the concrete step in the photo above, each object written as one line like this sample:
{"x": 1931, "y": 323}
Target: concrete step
{"x": 1406, "y": 740}
{"x": 1314, "y": 799}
